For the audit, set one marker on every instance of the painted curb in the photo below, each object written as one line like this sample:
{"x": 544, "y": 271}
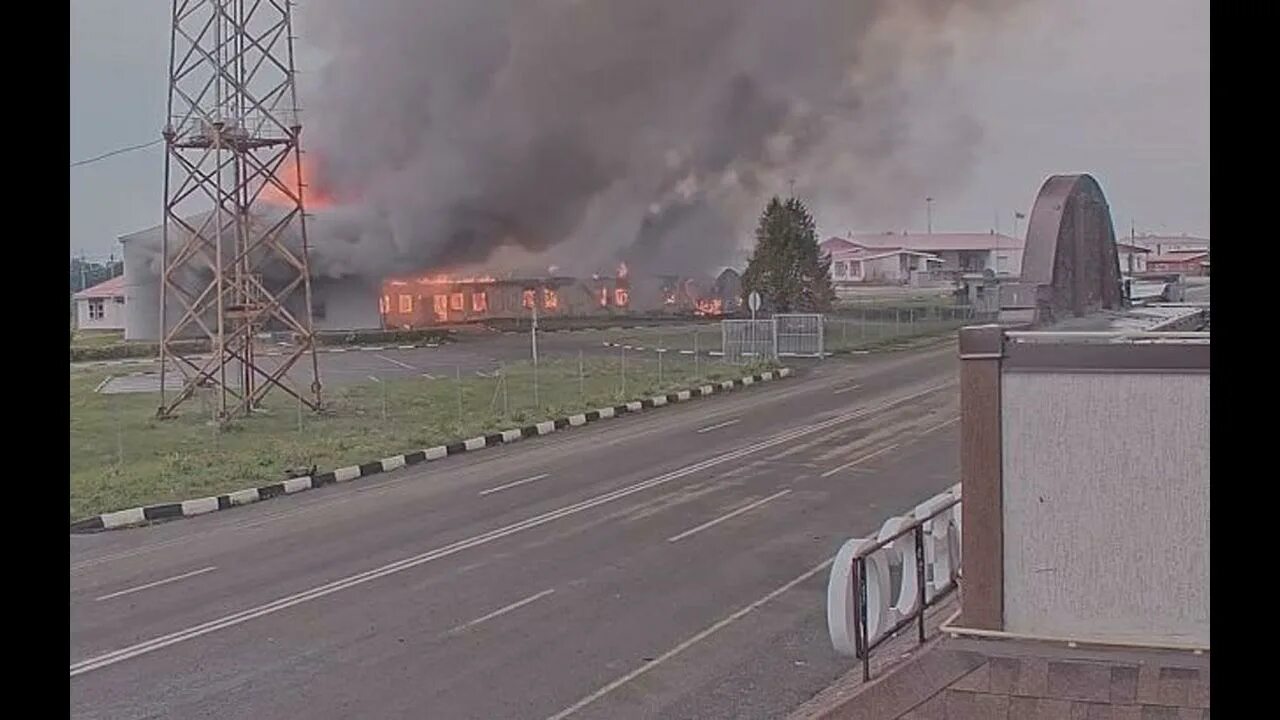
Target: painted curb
{"x": 189, "y": 508}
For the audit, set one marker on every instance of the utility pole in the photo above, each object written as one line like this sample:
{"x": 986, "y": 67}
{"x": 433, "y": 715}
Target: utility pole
{"x": 928, "y": 208}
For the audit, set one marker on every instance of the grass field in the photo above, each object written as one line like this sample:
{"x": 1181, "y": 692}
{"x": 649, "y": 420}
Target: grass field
{"x": 122, "y": 456}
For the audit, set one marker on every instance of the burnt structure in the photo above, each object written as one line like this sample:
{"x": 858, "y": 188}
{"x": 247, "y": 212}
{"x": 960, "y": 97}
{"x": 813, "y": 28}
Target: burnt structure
{"x": 1070, "y": 266}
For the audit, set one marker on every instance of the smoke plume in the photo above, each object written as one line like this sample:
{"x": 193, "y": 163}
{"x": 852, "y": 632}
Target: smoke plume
{"x": 583, "y": 132}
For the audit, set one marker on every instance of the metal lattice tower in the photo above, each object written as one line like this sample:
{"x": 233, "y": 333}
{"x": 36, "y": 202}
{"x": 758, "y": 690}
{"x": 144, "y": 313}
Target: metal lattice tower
{"x": 233, "y": 263}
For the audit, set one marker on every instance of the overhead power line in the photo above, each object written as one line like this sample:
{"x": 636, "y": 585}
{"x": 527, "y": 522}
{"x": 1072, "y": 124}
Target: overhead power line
{"x": 104, "y": 156}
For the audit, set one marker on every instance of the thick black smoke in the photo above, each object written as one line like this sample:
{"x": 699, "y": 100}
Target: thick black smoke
{"x": 588, "y": 131}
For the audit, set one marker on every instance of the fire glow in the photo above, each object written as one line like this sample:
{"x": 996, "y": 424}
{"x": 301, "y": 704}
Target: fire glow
{"x": 288, "y": 174}
{"x": 709, "y": 307}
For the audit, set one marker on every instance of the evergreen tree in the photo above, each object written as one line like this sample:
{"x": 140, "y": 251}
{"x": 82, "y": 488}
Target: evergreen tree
{"x": 787, "y": 267}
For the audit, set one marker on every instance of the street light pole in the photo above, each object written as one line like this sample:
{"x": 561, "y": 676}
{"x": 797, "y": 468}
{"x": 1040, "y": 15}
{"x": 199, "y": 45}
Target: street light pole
{"x": 928, "y": 207}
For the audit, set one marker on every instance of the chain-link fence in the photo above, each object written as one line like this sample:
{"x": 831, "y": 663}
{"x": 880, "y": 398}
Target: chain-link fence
{"x": 868, "y": 326}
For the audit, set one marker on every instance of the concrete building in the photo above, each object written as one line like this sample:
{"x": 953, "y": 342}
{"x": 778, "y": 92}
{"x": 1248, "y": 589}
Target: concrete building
{"x": 337, "y": 304}
{"x": 102, "y": 307}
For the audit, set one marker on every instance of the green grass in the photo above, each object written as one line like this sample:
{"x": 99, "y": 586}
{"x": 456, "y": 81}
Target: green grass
{"x": 96, "y": 338}
{"x": 122, "y": 456}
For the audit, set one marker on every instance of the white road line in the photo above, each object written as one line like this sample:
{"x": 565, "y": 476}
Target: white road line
{"x": 717, "y": 426}
{"x": 720, "y": 625}
{"x": 393, "y": 361}
{"x": 722, "y": 518}
{"x": 103, "y": 383}
{"x": 500, "y": 488}
{"x": 858, "y": 461}
{"x": 288, "y": 601}
{"x": 844, "y": 390}
{"x": 157, "y": 583}
{"x": 501, "y": 611}
{"x": 429, "y": 376}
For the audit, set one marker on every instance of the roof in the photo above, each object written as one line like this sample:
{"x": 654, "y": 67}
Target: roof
{"x": 109, "y": 289}
{"x": 858, "y": 253}
{"x": 1130, "y": 247}
{"x": 1177, "y": 257}
{"x": 939, "y": 242}
{"x": 834, "y": 244}
{"x": 1172, "y": 239}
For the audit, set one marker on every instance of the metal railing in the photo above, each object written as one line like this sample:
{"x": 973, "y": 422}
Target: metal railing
{"x": 863, "y": 608}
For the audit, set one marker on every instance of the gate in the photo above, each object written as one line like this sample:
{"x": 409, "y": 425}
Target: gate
{"x": 745, "y": 341}
{"x": 799, "y": 335}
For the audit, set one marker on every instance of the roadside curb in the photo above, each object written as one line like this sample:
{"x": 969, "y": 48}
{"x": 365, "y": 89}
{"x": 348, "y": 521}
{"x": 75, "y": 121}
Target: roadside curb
{"x": 200, "y": 506}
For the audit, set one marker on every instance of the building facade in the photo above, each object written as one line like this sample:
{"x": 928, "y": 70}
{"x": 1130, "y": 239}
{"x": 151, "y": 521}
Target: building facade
{"x": 101, "y": 307}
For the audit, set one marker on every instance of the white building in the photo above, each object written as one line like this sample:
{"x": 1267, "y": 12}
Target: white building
{"x": 957, "y": 252}
{"x": 1133, "y": 258}
{"x": 101, "y": 307}
{"x": 898, "y": 266}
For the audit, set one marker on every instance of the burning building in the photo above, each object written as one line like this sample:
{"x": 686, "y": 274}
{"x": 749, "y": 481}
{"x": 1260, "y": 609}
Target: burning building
{"x": 437, "y": 299}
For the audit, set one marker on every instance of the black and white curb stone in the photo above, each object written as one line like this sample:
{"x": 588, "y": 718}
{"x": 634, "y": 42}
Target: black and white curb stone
{"x": 200, "y": 506}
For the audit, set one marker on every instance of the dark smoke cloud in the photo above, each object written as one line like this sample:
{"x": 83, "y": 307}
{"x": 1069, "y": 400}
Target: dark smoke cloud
{"x": 587, "y": 131}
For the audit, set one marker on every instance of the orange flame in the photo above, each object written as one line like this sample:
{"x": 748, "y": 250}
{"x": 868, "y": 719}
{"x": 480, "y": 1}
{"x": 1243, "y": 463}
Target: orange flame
{"x": 451, "y": 280}
{"x": 622, "y": 270}
{"x": 315, "y": 198}
{"x": 709, "y": 306}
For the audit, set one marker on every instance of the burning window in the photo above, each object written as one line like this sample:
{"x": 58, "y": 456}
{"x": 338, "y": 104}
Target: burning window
{"x": 604, "y": 297}
{"x": 384, "y": 304}
{"x": 621, "y": 296}
{"x": 527, "y": 299}
{"x": 406, "y": 304}
{"x": 550, "y": 299}
{"x": 479, "y": 302}
{"x": 440, "y": 303}
{"x": 455, "y": 302}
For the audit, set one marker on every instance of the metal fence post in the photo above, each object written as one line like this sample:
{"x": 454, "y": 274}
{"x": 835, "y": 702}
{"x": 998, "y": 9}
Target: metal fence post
{"x": 119, "y": 434}
{"x": 502, "y": 380}
{"x": 695, "y": 352}
{"x": 919, "y": 536}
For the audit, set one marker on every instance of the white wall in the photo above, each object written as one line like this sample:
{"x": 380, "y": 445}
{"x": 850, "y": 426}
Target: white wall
{"x": 113, "y": 315}
{"x": 1106, "y": 506}
{"x": 1139, "y": 260}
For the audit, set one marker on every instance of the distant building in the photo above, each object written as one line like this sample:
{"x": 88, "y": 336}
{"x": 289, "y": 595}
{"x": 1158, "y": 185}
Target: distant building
{"x": 1162, "y": 244}
{"x": 1133, "y": 258}
{"x": 101, "y": 307}
{"x": 950, "y": 253}
{"x": 895, "y": 266}
{"x": 1186, "y": 263}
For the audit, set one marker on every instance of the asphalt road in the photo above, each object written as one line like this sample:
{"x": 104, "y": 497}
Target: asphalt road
{"x": 667, "y": 565}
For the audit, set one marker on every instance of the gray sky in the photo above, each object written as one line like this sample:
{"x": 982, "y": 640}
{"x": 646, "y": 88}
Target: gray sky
{"x": 1116, "y": 88}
